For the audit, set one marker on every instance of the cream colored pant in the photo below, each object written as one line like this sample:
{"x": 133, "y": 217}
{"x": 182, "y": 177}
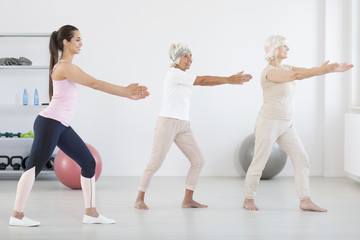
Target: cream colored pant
{"x": 167, "y": 131}
{"x": 267, "y": 132}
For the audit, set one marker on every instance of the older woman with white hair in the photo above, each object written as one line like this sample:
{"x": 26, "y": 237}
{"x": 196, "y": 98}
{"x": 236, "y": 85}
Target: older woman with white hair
{"x": 173, "y": 122}
{"x": 274, "y": 122}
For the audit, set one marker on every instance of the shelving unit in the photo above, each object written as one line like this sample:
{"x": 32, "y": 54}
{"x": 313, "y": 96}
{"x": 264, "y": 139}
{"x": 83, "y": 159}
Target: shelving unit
{"x": 16, "y": 117}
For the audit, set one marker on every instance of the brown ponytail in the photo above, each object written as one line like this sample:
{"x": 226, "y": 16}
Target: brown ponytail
{"x": 54, "y": 56}
{"x": 56, "y": 45}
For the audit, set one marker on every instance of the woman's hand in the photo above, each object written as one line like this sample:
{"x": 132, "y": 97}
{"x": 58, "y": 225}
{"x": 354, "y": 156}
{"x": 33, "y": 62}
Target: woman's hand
{"x": 240, "y": 78}
{"x": 327, "y": 67}
{"x": 136, "y": 92}
{"x": 343, "y": 67}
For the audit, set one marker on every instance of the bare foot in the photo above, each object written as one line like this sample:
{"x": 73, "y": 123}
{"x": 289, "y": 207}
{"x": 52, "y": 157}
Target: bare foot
{"x": 249, "y": 204}
{"x": 192, "y": 204}
{"x": 308, "y": 205}
{"x": 140, "y": 204}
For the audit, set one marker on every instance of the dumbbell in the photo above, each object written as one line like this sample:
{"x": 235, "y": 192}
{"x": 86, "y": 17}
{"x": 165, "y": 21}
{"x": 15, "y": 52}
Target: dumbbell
{"x": 16, "y": 166}
{"x": 4, "y": 134}
{"x": 3, "y": 165}
{"x": 10, "y": 135}
{"x": 27, "y": 135}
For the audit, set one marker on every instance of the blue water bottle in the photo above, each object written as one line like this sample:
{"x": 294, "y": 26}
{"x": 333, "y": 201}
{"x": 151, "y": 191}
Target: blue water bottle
{"x": 36, "y": 97}
{"x": 25, "y": 97}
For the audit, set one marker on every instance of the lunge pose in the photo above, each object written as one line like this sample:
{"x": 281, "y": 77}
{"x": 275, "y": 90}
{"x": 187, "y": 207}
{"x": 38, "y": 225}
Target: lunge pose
{"x": 52, "y": 126}
{"x": 173, "y": 122}
{"x": 274, "y": 122}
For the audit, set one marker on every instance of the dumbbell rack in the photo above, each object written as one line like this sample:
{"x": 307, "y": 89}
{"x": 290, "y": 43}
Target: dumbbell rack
{"x": 10, "y": 161}
{"x": 19, "y": 118}
{"x": 14, "y": 150}
{"x": 17, "y": 150}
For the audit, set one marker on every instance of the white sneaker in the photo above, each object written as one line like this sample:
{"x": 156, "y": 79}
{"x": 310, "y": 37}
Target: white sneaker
{"x": 24, "y": 222}
{"x": 99, "y": 220}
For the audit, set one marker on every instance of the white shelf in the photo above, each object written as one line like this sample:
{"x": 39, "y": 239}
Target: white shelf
{"x": 353, "y": 108}
{"x": 10, "y": 173}
{"x": 19, "y": 110}
{"x": 32, "y": 107}
{"x": 25, "y": 34}
{"x": 24, "y": 67}
{"x": 16, "y": 139}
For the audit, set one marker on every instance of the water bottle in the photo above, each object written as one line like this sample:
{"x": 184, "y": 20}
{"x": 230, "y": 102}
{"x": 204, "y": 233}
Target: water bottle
{"x": 25, "y": 97}
{"x": 36, "y": 97}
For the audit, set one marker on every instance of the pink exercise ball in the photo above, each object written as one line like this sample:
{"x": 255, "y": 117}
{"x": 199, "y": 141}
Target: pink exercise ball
{"x": 68, "y": 171}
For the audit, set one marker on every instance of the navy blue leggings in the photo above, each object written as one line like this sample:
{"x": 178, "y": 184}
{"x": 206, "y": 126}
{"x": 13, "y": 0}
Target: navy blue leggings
{"x": 48, "y": 134}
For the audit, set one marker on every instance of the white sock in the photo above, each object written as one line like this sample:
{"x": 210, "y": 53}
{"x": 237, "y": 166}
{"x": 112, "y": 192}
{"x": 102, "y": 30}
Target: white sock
{"x": 23, "y": 189}
{"x": 88, "y": 188}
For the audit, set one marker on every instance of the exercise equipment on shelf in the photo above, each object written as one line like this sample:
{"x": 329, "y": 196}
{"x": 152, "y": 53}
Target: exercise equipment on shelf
{"x": 19, "y": 163}
{"x": 29, "y": 134}
{"x": 15, "y": 165}
{"x": 3, "y": 164}
{"x": 48, "y": 166}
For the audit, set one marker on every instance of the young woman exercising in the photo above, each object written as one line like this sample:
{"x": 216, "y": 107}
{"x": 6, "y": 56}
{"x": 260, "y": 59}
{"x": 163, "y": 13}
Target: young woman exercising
{"x": 52, "y": 126}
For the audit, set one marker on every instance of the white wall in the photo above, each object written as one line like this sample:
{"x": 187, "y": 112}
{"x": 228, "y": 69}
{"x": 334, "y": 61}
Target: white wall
{"x": 335, "y": 86}
{"x": 127, "y": 41}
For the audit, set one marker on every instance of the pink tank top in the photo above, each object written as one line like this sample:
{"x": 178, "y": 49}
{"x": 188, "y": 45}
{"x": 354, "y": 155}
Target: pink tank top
{"x": 64, "y": 101}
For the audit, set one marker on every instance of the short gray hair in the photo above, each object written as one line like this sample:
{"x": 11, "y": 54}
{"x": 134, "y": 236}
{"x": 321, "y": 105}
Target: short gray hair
{"x": 271, "y": 44}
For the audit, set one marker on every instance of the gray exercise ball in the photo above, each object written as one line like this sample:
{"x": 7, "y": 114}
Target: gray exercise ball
{"x": 274, "y": 164}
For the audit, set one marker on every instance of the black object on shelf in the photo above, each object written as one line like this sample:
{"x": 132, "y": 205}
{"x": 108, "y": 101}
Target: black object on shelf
{"x": 3, "y": 165}
{"x": 10, "y": 135}
{"x": 16, "y": 165}
{"x": 48, "y": 166}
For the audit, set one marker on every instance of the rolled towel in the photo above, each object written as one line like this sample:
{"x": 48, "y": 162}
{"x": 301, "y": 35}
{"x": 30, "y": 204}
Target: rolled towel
{"x": 14, "y": 61}
{"x": 11, "y": 61}
{"x": 24, "y": 61}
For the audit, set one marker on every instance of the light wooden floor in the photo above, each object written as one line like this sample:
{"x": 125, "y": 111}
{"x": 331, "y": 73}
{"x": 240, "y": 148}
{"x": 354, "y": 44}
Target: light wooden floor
{"x": 60, "y": 210}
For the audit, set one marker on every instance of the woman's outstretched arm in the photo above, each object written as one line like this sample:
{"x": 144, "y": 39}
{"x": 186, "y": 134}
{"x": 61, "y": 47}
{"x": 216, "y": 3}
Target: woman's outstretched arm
{"x": 279, "y": 75}
{"x": 69, "y": 71}
{"x": 239, "y": 78}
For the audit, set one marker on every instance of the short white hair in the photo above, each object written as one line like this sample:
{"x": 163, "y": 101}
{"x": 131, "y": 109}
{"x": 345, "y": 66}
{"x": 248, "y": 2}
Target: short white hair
{"x": 271, "y": 44}
{"x": 176, "y": 50}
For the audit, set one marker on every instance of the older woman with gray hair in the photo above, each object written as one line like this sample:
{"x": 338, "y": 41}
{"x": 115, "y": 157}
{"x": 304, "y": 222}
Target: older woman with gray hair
{"x": 173, "y": 122}
{"x": 274, "y": 122}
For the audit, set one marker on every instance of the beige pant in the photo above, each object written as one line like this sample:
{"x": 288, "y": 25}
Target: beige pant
{"x": 167, "y": 131}
{"x": 267, "y": 132}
